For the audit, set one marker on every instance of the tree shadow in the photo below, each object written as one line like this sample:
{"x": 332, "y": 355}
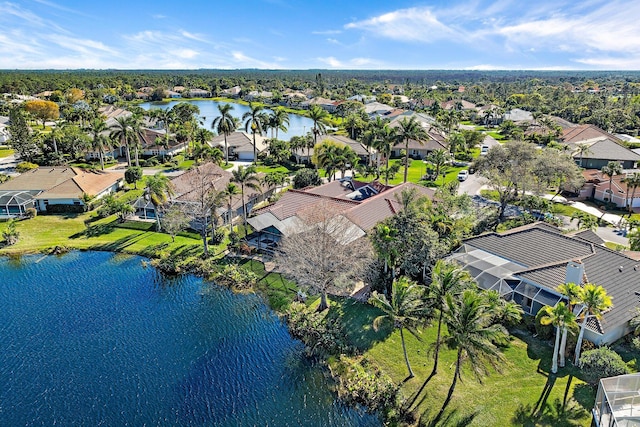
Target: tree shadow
{"x": 556, "y": 414}
{"x": 451, "y": 419}
{"x": 357, "y": 320}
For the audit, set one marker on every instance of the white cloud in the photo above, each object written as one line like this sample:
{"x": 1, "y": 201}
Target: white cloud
{"x": 417, "y": 24}
{"x": 326, "y": 32}
{"x": 185, "y": 53}
{"x": 352, "y": 63}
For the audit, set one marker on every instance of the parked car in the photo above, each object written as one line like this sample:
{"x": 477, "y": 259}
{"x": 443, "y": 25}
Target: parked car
{"x": 463, "y": 175}
{"x": 484, "y": 150}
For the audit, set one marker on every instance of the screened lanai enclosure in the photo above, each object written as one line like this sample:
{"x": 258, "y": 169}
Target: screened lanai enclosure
{"x": 15, "y": 203}
{"x": 618, "y": 402}
{"x": 492, "y": 272}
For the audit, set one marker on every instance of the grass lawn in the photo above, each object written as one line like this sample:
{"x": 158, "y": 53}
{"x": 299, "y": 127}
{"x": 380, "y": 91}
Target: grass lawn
{"x": 5, "y": 152}
{"x": 47, "y": 231}
{"x": 522, "y": 394}
{"x": 275, "y": 168}
{"x": 417, "y": 171}
{"x": 496, "y": 135}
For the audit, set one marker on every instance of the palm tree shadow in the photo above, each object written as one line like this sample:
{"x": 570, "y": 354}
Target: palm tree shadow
{"x": 546, "y": 390}
{"x": 451, "y": 419}
{"x": 416, "y": 394}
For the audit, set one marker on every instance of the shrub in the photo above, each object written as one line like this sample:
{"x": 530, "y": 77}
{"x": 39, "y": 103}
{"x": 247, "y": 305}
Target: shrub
{"x": 133, "y": 174}
{"x": 306, "y": 178}
{"x": 235, "y": 277}
{"x": 602, "y": 362}
{"x": 10, "y": 233}
{"x": 23, "y": 167}
{"x": 217, "y": 236}
{"x": 31, "y": 213}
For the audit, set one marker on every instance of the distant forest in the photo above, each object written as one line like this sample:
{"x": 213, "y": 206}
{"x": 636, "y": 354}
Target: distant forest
{"x": 33, "y": 81}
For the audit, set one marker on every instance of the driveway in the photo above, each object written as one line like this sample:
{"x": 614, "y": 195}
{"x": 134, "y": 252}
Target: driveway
{"x": 8, "y": 165}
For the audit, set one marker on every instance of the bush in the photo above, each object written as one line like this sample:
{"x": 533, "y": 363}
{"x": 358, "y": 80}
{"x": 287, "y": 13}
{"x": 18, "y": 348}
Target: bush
{"x": 306, "y": 178}
{"x": 31, "y": 213}
{"x": 217, "y": 236}
{"x": 23, "y": 167}
{"x": 601, "y": 363}
{"x": 10, "y": 233}
{"x": 59, "y": 209}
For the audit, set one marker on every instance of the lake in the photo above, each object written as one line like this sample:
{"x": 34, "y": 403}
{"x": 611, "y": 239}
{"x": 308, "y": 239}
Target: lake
{"x": 95, "y": 338}
{"x": 298, "y": 125}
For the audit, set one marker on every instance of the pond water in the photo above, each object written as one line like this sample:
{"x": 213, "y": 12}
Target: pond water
{"x": 94, "y": 338}
{"x": 298, "y": 125}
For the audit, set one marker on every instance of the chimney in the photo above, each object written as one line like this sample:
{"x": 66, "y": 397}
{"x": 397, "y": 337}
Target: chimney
{"x": 575, "y": 272}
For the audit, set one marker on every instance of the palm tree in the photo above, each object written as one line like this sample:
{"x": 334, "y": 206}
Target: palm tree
{"x": 96, "y": 128}
{"x": 387, "y": 138}
{"x": 230, "y": 190}
{"x": 611, "y": 169}
{"x": 583, "y": 149}
{"x": 560, "y": 317}
{"x": 159, "y": 190}
{"x": 274, "y": 179}
{"x": 469, "y": 330}
{"x": 224, "y": 125}
{"x": 121, "y": 131}
{"x": 595, "y": 301}
{"x": 246, "y": 177}
{"x": 572, "y": 292}
{"x": 254, "y": 120}
{"x": 328, "y": 157}
{"x": 446, "y": 279}
{"x": 317, "y": 115}
{"x": 278, "y": 120}
{"x": 405, "y": 310}
{"x": 438, "y": 158}
{"x": 135, "y": 123}
{"x": 633, "y": 182}
{"x": 410, "y": 129}
{"x": 167, "y": 117}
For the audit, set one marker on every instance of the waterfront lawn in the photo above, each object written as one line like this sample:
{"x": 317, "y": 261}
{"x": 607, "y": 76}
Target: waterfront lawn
{"x": 5, "y": 152}
{"x": 278, "y": 291}
{"x": 48, "y": 231}
{"x": 523, "y": 394}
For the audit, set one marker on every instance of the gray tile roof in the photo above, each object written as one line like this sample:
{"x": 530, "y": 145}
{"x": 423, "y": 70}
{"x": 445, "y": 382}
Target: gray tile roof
{"x": 589, "y": 236}
{"x": 533, "y": 246}
{"x": 607, "y": 149}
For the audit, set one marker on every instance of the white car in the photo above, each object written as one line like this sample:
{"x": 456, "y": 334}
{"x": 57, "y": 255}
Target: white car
{"x": 484, "y": 150}
{"x": 463, "y": 175}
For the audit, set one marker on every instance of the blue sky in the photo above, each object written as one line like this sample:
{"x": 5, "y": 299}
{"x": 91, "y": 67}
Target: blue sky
{"x": 328, "y": 34}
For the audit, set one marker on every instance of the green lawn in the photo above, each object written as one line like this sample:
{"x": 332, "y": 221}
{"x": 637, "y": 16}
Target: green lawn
{"x": 260, "y": 168}
{"x": 5, "y": 152}
{"x": 417, "y": 171}
{"x": 522, "y": 394}
{"x": 496, "y": 135}
{"x": 47, "y": 231}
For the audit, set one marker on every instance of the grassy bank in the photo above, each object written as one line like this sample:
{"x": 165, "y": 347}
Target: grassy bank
{"x": 523, "y": 393}
{"x": 86, "y": 232}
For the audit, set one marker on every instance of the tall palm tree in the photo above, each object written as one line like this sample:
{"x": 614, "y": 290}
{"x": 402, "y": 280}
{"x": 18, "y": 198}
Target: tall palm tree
{"x": 278, "y": 120}
{"x": 404, "y": 310}
{"x": 446, "y": 279}
{"x": 229, "y": 192}
{"x": 572, "y": 292}
{"x": 225, "y": 124}
{"x": 410, "y": 129}
{"x": 246, "y": 177}
{"x": 582, "y": 149}
{"x": 274, "y": 179}
{"x": 438, "y": 158}
{"x": 469, "y": 330}
{"x": 611, "y": 169}
{"x": 633, "y": 182}
{"x": 317, "y": 115}
{"x": 159, "y": 190}
{"x": 595, "y": 301}
{"x": 386, "y": 139}
{"x": 166, "y": 117}
{"x": 328, "y": 157}
{"x": 121, "y": 131}
{"x": 560, "y": 317}
{"x": 135, "y": 123}
{"x": 254, "y": 121}
{"x": 96, "y": 128}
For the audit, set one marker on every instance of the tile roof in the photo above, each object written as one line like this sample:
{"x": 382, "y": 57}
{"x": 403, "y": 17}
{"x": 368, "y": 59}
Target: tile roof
{"x": 518, "y": 246}
{"x": 240, "y": 140}
{"x": 584, "y": 132}
{"x": 589, "y": 236}
{"x": 89, "y": 182}
{"x": 355, "y": 145}
{"x": 42, "y": 178}
{"x": 608, "y": 149}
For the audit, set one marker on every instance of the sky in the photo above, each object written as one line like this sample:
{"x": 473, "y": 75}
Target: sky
{"x": 327, "y": 34}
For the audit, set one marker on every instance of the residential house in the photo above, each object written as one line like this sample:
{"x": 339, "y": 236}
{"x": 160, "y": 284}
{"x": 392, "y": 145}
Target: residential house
{"x": 518, "y": 116}
{"x": 232, "y": 92}
{"x": 240, "y": 145}
{"x": 258, "y": 95}
{"x": 154, "y": 143}
{"x": 458, "y": 104}
{"x": 295, "y": 99}
{"x": 602, "y": 150}
{"x": 365, "y": 99}
{"x": 597, "y": 185}
{"x": 374, "y": 109}
{"x": 196, "y": 93}
{"x": 44, "y": 186}
{"x": 421, "y": 149}
{"x": 324, "y": 103}
{"x": 361, "y": 203}
{"x": 173, "y": 94}
{"x": 521, "y": 267}
{"x": 188, "y": 191}
{"x": 304, "y": 155}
